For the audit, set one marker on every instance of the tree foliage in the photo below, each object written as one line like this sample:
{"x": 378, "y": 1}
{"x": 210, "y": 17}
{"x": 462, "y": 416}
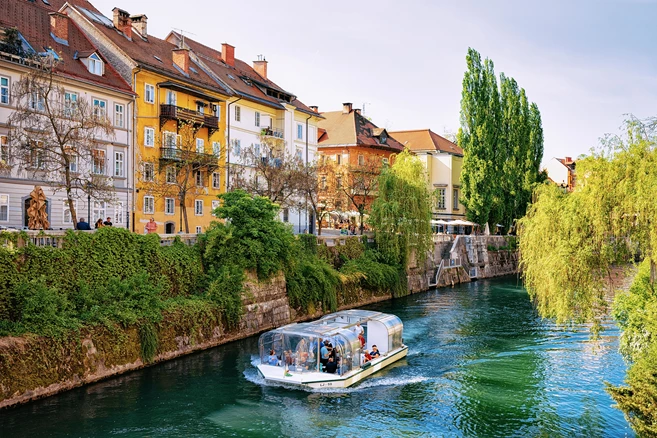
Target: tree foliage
{"x": 569, "y": 241}
{"x": 502, "y": 139}
{"x": 401, "y": 214}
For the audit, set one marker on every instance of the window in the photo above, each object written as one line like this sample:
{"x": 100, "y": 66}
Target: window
{"x": 215, "y": 205}
{"x": 95, "y": 65}
{"x": 198, "y": 207}
{"x": 119, "y": 164}
{"x": 119, "y": 215}
{"x": 200, "y": 146}
{"x": 149, "y": 137}
{"x": 4, "y": 208}
{"x": 217, "y": 111}
{"x": 299, "y": 131}
{"x": 200, "y": 107}
{"x": 257, "y": 119}
{"x": 37, "y": 157}
{"x": 455, "y": 206}
{"x": 99, "y": 211}
{"x": 169, "y": 206}
{"x": 70, "y": 103}
{"x": 198, "y": 176}
{"x": 199, "y": 230}
{"x": 149, "y": 93}
{"x": 171, "y": 175}
{"x": 216, "y": 148}
{"x": 171, "y": 97}
{"x": 100, "y": 108}
{"x": 67, "y": 216}
{"x": 99, "y": 161}
{"x": 4, "y": 148}
{"x": 4, "y": 90}
{"x": 216, "y": 180}
{"x": 286, "y": 215}
{"x": 73, "y": 159}
{"x": 361, "y": 160}
{"x": 149, "y": 205}
{"x": 36, "y": 101}
{"x": 299, "y": 155}
{"x": 169, "y": 139}
{"x": 238, "y": 113}
{"x": 149, "y": 172}
{"x": 119, "y": 115}
{"x": 324, "y": 183}
{"x": 237, "y": 147}
{"x": 440, "y": 199}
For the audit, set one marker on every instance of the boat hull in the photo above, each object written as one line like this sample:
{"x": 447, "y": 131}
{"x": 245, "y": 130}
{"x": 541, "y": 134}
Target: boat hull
{"x": 317, "y": 380}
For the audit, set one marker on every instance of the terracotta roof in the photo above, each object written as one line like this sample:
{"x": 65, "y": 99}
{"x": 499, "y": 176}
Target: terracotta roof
{"x": 152, "y": 53}
{"x": 352, "y": 129}
{"x": 33, "y": 22}
{"x": 426, "y": 140}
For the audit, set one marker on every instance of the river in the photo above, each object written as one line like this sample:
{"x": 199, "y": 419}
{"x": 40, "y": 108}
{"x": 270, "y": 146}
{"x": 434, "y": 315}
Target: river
{"x": 480, "y": 364}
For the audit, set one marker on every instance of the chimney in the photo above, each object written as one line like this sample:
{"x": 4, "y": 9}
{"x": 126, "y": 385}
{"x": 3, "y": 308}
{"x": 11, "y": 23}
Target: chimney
{"x": 139, "y": 23}
{"x": 346, "y": 108}
{"x": 314, "y": 108}
{"x": 569, "y": 159}
{"x": 357, "y": 111}
{"x": 121, "y": 21}
{"x": 228, "y": 54}
{"x": 260, "y": 66}
{"x": 59, "y": 25}
{"x": 181, "y": 59}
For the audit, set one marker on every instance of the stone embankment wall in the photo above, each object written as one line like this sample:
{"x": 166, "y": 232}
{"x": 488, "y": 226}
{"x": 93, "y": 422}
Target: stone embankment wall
{"x": 35, "y": 367}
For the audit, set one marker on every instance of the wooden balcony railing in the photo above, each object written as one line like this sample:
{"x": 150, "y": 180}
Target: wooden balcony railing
{"x": 182, "y": 115}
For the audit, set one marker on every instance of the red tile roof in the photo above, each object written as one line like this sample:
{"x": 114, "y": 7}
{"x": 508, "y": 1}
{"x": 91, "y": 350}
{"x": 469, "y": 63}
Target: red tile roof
{"x": 232, "y": 76}
{"x": 426, "y": 140}
{"x": 33, "y": 22}
{"x": 352, "y": 129}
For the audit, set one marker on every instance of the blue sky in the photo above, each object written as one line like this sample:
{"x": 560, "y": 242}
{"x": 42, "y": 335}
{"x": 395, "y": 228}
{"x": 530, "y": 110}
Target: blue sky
{"x": 585, "y": 63}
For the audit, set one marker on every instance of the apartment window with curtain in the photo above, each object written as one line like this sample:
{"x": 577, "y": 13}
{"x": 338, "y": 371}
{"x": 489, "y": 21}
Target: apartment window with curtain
{"x": 169, "y": 206}
{"x": 149, "y": 137}
{"x": 98, "y": 156}
{"x": 216, "y": 180}
{"x": 198, "y": 207}
{"x": 149, "y": 93}
{"x": 4, "y": 90}
{"x": 257, "y": 119}
{"x": 70, "y": 103}
{"x": 200, "y": 146}
{"x": 149, "y": 172}
{"x": 119, "y": 213}
{"x": 4, "y": 208}
{"x": 171, "y": 97}
{"x": 238, "y": 113}
{"x": 119, "y": 115}
{"x": 149, "y": 205}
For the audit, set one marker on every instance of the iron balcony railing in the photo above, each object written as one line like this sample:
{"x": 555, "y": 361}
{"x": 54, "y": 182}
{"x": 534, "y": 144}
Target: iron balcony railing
{"x": 174, "y": 112}
{"x": 176, "y": 154}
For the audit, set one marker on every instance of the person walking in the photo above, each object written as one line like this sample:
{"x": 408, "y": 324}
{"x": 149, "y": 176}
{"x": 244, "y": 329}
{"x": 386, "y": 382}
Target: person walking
{"x": 151, "y": 226}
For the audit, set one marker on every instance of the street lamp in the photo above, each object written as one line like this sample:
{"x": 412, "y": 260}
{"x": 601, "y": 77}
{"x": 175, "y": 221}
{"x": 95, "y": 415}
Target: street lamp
{"x": 299, "y": 204}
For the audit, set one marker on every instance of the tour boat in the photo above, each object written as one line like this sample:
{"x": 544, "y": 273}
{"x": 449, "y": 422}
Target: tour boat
{"x": 292, "y": 354}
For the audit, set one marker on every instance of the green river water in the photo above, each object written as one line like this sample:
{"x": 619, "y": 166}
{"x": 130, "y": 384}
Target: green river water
{"x": 480, "y": 364}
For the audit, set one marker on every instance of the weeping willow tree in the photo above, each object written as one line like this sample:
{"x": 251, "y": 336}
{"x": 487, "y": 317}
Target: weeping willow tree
{"x": 569, "y": 242}
{"x": 401, "y": 214}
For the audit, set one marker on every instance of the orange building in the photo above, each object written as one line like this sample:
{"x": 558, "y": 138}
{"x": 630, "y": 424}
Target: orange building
{"x": 354, "y": 150}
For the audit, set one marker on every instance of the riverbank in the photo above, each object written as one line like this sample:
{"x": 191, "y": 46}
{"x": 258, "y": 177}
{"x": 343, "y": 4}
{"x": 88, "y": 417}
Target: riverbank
{"x": 33, "y": 367}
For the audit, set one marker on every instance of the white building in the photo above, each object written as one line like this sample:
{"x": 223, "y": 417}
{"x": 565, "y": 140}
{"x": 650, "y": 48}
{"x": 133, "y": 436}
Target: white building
{"x": 85, "y": 76}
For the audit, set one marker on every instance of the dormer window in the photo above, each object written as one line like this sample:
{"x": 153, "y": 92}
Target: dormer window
{"x": 383, "y": 138}
{"x": 95, "y": 65}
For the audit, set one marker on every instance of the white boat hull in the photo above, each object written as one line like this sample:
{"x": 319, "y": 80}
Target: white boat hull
{"x": 318, "y": 380}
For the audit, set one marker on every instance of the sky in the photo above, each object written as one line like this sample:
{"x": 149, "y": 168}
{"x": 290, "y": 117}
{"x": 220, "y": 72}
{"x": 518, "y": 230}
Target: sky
{"x": 586, "y": 64}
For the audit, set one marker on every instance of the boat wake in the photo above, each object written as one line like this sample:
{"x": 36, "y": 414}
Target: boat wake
{"x": 253, "y": 376}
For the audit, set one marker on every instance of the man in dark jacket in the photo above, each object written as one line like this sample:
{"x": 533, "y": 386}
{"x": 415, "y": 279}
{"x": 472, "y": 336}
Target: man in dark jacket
{"x": 83, "y": 225}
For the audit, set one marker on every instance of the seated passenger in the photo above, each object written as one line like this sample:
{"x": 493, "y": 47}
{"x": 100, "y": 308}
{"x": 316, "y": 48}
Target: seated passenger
{"x": 331, "y": 366}
{"x": 375, "y": 352}
{"x": 289, "y": 360}
{"x": 365, "y": 356}
{"x": 273, "y": 359}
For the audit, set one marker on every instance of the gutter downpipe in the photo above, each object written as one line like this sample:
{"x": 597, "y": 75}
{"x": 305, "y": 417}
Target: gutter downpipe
{"x": 134, "y": 148}
{"x": 228, "y": 142}
{"x": 309, "y": 117}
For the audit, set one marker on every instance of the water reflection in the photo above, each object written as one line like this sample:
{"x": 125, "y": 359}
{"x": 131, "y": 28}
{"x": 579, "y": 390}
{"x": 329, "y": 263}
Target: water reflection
{"x": 480, "y": 363}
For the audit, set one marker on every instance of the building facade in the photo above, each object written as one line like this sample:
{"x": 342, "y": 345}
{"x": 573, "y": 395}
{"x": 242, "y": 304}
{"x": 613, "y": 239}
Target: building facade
{"x": 561, "y": 171}
{"x": 179, "y": 129}
{"x": 82, "y": 77}
{"x": 443, "y": 161}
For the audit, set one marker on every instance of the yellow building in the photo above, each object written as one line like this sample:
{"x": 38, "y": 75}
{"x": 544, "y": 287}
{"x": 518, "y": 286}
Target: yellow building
{"x": 444, "y": 162}
{"x": 180, "y": 149}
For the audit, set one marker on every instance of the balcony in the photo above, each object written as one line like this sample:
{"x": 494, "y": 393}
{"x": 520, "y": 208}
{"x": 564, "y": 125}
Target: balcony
{"x": 272, "y": 132}
{"x": 185, "y": 115}
{"x": 185, "y": 157}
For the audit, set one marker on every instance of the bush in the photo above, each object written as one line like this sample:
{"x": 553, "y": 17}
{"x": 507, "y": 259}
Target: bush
{"x": 377, "y": 273}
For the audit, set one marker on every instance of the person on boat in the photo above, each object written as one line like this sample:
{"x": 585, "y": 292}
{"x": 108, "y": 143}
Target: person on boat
{"x": 358, "y": 329}
{"x": 289, "y": 360}
{"x": 361, "y": 338}
{"x": 273, "y": 359}
{"x": 365, "y": 356}
{"x": 375, "y": 352}
{"x": 324, "y": 353}
{"x": 331, "y": 365}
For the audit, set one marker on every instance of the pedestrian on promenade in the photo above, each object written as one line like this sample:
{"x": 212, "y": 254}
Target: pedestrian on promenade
{"x": 108, "y": 222}
{"x": 83, "y": 225}
{"x": 151, "y": 226}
